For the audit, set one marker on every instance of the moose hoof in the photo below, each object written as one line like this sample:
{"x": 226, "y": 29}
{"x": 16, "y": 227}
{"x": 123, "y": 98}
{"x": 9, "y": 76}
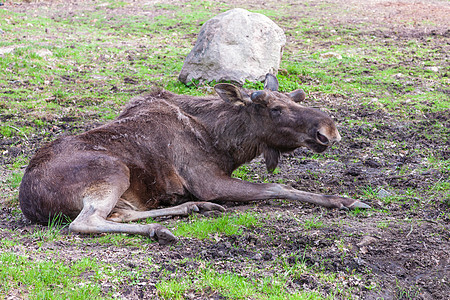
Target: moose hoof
{"x": 204, "y": 208}
{"x": 162, "y": 235}
{"x": 208, "y": 208}
{"x": 345, "y": 203}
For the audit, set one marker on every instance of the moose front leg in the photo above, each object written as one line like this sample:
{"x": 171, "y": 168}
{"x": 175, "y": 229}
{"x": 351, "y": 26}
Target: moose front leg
{"x": 230, "y": 189}
{"x": 329, "y": 201}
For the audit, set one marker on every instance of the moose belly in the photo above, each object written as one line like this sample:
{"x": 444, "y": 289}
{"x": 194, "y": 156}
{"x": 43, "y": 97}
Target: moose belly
{"x": 149, "y": 192}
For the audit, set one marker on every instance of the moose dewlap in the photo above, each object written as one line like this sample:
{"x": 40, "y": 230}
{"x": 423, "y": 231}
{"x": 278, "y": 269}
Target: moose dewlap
{"x": 164, "y": 150}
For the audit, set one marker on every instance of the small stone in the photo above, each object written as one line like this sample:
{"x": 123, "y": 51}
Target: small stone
{"x": 6, "y": 50}
{"x": 372, "y": 163}
{"x": 360, "y": 261}
{"x": 100, "y": 77}
{"x": 382, "y": 193}
{"x": 432, "y": 69}
{"x": 257, "y": 256}
{"x": 367, "y": 240}
{"x": 331, "y": 55}
{"x": 398, "y": 75}
{"x": 353, "y": 171}
{"x": 44, "y": 52}
{"x": 267, "y": 256}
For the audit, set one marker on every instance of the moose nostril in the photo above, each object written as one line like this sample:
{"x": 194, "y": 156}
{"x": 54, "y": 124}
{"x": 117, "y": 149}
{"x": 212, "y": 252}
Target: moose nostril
{"x": 323, "y": 139}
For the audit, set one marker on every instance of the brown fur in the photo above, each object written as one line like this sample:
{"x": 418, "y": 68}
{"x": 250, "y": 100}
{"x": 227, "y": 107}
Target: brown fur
{"x": 166, "y": 149}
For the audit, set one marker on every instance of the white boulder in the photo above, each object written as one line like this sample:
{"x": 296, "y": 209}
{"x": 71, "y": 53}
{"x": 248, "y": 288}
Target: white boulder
{"x": 236, "y": 45}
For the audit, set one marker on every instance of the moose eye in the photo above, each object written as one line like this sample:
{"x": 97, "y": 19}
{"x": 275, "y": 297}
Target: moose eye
{"x": 323, "y": 139}
{"x": 276, "y": 111}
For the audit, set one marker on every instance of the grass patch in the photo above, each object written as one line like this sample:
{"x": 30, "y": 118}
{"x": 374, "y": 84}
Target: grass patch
{"x": 14, "y": 180}
{"x": 232, "y": 286}
{"x": 203, "y": 228}
{"x": 243, "y": 173}
{"x": 312, "y": 223}
{"x": 54, "y": 279}
{"x": 53, "y": 230}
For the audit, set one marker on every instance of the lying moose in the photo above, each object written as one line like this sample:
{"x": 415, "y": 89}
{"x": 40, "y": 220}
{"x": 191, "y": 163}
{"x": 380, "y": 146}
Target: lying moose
{"x": 165, "y": 150}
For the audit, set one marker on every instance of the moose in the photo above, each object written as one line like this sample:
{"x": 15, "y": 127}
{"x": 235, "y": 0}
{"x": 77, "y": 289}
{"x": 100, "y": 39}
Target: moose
{"x": 169, "y": 154}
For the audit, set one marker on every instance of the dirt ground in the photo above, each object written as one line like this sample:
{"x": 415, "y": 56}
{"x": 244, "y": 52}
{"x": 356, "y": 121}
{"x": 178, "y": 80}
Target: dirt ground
{"x": 402, "y": 254}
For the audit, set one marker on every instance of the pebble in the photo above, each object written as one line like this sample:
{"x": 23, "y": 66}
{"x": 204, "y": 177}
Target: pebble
{"x": 432, "y": 69}
{"x": 331, "y": 55}
{"x": 382, "y": 193}
{"x": 367, "y": 240}
{"x": 44, "y": 52}
{"x": 267, "y": 256}
{"x": 257, "y": 256}
{"x": 6, "y": 50}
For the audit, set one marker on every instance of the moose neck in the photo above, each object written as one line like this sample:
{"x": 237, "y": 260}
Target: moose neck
{"x": 231, "y": 127}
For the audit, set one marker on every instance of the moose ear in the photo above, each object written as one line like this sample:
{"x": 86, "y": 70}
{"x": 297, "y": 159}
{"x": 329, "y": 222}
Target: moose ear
{"x": 271, "y": 83}
{"x": 297, "y": 95}
{"x": 231, "y": 94}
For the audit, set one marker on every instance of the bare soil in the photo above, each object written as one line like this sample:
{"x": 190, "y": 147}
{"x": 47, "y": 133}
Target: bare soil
{"x": 401, "y": 250}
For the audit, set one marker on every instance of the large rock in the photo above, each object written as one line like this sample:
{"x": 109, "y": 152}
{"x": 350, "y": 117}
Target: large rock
{"x": 236, "y": 45}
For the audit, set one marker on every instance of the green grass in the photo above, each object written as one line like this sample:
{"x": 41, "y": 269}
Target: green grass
{"x": 243, "y": 173}
{"x": 232, "y": 286}
{"x": 14, "y": 180}
{"x": 80, "y": 70}
{"x": 7, "y": 244}
{"x": 31, "y": 279}
{"x": 121, "y": 240}
{"x": 203, "y": 228}
{"x": 312, "y": 223}
{"x": 86, "y": 66}
{"x": 384, "y": 224}
{"x": 53, "y": 230}
{"x": 206, "y": 280}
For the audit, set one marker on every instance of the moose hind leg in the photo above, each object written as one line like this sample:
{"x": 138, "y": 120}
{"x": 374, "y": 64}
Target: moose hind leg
{"x": 185, "y": 209}
{"x": 97, "y": 205}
